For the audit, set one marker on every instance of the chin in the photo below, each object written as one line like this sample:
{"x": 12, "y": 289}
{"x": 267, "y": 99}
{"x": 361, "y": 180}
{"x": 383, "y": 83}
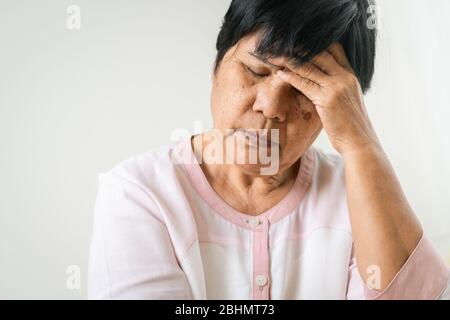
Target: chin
{"x": 269, "y": 160}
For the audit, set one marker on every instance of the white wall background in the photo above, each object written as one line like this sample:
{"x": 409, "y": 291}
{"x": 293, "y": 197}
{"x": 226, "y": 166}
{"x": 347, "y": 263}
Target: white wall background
{"x": 75, "y": 103}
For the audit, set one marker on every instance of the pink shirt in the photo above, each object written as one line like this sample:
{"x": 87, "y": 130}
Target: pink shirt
{"x": 162, "y": 232}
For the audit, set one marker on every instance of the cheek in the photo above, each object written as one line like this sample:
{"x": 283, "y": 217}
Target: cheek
{"x": 305, "y": 113}
{"x": 232, "y": 95}
{"x": 308, "y": 114}
{"x": 304, "y": 129}
{"x": 307, "y": 107}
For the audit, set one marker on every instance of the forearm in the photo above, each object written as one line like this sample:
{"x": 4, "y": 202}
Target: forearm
{"x": 385, "y": 228}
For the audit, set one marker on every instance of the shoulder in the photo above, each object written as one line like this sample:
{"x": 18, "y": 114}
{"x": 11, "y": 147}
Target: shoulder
{"x": 147, "y": 170}
{"x": 150, "y": 181}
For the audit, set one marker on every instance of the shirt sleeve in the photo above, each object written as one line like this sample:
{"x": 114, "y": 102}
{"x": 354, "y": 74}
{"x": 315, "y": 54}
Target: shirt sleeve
{"x": 424, "y": 276}
{"x": 131, "y": 254}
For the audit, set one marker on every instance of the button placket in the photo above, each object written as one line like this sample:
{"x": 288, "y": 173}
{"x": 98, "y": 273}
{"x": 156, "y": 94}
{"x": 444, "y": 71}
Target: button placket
{"x": 261, "y": 283}
{"x": 253, "y": 222}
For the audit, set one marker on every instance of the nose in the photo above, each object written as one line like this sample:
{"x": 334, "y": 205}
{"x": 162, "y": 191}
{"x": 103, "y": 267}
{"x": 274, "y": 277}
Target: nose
{"x": 272, "y": 100}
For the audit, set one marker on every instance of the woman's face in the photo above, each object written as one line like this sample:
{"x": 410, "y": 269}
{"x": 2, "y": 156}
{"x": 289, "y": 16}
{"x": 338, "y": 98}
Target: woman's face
{"x": 246, "y": 94}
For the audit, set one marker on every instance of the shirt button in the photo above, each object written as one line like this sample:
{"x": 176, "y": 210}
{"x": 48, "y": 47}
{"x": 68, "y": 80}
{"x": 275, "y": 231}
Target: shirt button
{"x": 254, "y": 222}
{"x": 261, "y": 280}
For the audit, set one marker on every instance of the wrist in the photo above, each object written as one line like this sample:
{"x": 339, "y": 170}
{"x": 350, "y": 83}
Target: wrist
{"x": 363, "y": 151}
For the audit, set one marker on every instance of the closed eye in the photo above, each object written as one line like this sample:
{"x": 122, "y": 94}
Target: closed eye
{"x": 256, "y": 74}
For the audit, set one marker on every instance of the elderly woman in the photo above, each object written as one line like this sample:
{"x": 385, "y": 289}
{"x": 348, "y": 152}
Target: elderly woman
{"x": 294, "y": 224}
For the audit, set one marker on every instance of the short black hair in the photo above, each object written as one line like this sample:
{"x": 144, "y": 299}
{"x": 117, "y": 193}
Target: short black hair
{"x": 301, "y": 29}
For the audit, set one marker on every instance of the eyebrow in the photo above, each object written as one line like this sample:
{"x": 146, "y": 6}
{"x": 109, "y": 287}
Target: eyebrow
{"x": 264, "y": 60}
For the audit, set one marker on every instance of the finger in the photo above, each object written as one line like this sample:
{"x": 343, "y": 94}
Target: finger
{"x": 309, "y": 71}
{"x": 309, "y": 88}
{"x": 338, "y": 52}
{"x": 327, "y": 63}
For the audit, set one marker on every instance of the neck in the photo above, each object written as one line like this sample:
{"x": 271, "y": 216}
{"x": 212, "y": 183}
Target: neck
{"x": 253, "y": 184}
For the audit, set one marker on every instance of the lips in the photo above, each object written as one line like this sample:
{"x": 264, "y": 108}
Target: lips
{"x": 255, "y": 136}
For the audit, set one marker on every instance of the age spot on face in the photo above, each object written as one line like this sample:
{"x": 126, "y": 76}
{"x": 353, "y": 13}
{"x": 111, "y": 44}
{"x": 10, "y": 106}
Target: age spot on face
{"x": 306, "y": 115}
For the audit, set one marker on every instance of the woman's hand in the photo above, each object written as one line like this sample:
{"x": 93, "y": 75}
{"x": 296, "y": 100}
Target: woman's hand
{"x": 331, "y": 85}
{"x": 384, "y": 227}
